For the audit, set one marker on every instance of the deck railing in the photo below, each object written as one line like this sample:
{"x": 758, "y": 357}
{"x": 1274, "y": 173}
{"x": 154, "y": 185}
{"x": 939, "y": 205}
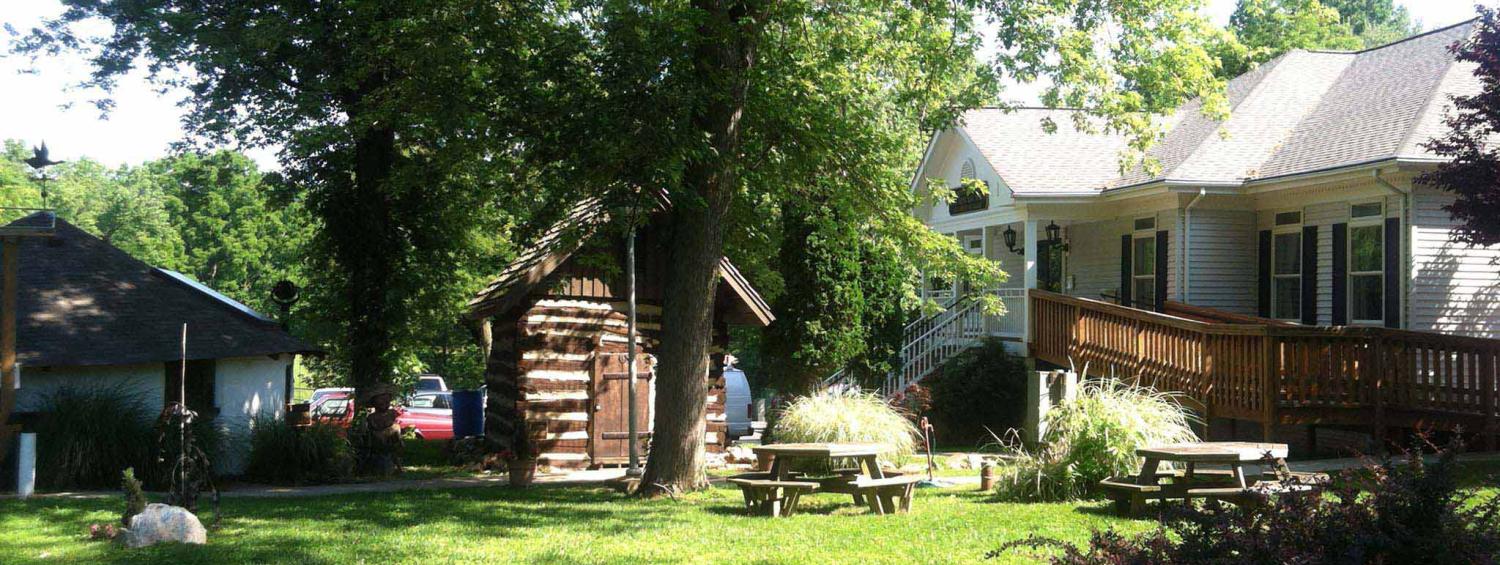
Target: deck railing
{"x": 1278, "y": 373}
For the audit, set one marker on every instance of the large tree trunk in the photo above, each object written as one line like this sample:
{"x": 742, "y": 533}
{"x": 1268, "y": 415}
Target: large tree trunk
{"x": 720, "y": 60}
{"x": 364, "y": 242}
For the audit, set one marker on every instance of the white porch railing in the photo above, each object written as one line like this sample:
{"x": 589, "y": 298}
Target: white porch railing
{"x": 927, "y": 343}
{"x": 959, "y": 328}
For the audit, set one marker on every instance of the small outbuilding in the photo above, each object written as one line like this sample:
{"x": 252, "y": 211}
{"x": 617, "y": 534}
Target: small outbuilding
{"x": 91, "y": 316}
{"x": 554, "y": 324}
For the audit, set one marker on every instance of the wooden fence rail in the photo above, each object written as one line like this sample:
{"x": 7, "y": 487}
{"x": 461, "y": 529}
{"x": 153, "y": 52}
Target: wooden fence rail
{"x": 1272, "y": 372}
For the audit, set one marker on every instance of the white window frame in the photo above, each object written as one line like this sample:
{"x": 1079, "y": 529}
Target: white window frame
{"x": 1378, "y": 222}
{"x": 1137, "y": 235}
{"x": 1280, "y": 231}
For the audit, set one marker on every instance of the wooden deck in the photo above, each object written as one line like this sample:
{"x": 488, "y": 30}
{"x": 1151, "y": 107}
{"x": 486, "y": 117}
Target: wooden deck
{"x": 1269, "y": 372}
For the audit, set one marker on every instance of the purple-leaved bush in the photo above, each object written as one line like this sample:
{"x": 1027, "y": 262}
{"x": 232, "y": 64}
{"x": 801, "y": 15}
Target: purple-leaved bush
{"x": 1403, "y": 511}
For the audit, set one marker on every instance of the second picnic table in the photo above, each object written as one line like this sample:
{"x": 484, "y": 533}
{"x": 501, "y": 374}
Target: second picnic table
{"x": 777, "y": 492}
{"x": 1232, "y": 484}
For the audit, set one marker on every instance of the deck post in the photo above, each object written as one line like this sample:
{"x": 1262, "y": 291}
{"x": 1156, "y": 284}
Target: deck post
{"x": 1268, "y": 385}
{"x": 1487, "y": 369}
{"x": 1377, "y": 365}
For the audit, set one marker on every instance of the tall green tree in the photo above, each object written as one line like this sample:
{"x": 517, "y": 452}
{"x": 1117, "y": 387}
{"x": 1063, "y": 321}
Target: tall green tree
{"x": 1376, "y": 22}
{"x": 734, "y": 106}
{"x": 393, "y": 120}
{"x": 1264, "y": 29}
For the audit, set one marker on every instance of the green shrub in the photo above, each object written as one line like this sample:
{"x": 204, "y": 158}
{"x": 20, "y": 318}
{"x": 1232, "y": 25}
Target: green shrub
{"x": 87, "y": 437}
{"x": 847, "y": 417}
{"x": 1091, "y": 439}
{"x": 135, "y": 497}
{"x": 281, "y": 453}
{"x": 980, "y": 390}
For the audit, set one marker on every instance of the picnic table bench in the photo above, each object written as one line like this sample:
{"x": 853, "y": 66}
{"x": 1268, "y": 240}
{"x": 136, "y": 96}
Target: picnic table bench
{"x": 1237, "y": 485}
{"x": 766, "y": 496}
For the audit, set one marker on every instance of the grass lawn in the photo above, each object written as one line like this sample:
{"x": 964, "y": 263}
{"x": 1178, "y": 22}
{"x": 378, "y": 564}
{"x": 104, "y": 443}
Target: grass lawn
{"x": 560, "y": 525}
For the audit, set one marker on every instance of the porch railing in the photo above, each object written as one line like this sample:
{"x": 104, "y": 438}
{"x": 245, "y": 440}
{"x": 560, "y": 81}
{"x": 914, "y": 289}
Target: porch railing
{"x": 1278, "y": 373}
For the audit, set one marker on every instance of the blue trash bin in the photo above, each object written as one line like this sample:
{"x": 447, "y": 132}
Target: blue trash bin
{"x": 468, "y": 413}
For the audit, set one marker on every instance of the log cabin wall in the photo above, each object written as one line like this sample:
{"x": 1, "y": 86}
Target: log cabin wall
{"x": 543, "y": 356}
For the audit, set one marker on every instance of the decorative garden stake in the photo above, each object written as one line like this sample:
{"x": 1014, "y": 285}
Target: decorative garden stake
{"x": 191, "y": 472}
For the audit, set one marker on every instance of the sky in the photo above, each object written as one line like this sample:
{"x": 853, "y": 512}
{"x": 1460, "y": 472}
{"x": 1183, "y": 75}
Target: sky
{"x": 144, "y": 121}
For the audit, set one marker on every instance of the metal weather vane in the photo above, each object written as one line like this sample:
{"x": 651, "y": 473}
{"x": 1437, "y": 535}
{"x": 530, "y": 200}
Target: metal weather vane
{"x": 40, "y": 160}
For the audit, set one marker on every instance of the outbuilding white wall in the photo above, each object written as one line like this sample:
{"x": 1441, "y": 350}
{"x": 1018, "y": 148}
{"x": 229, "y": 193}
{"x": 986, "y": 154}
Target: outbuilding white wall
{"x": 243, "y": 388}
{"x": 144, "y": 382}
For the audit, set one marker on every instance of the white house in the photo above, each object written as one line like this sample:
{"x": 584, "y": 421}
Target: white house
{"x": 90, "y": 315}
{"x": 1283, "y": 268}
{"x": 1300, "y": 206}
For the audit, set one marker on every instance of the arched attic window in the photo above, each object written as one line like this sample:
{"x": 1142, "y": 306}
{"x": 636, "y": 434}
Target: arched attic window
{"x": 969, "y": 197}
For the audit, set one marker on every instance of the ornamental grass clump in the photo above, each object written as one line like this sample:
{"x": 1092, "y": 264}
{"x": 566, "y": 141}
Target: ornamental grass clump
{"x": 847, "y": 417}
{"x": 1093, "y": 438}
{"x": 282, "y": 453}
{"x": 87, "y": 437}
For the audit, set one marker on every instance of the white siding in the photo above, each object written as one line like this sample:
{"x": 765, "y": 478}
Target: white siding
{"x": 1222, "y": 260}
{"x": 1453, "y": 289}
{"x": 1094, "y": 257}
{"x": 1325, "y": 216}
{"x": 142, "y": 382}
{"x": 243, "y": 389}
{"x": 1094, "y": 253}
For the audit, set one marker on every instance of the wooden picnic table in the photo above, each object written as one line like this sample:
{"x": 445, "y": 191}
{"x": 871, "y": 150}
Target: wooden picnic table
{"x": 776, "y": 492}
{"x": 1237, "y": 455}
{"x": 1233, "y": 484}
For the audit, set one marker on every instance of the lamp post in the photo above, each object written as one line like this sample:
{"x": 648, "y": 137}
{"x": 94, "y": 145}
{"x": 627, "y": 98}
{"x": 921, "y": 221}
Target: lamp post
{"x": 285, "y": 294}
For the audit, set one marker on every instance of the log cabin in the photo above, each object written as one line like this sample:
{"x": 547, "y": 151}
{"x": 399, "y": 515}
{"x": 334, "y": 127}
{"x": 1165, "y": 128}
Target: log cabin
{"x": 554, "y": 325}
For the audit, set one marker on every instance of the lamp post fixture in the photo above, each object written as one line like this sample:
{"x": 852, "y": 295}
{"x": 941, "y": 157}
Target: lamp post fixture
{"x": 285, "y": 294}
{"x": 1010, "y": 241}
{"x": 1054, "y": 236}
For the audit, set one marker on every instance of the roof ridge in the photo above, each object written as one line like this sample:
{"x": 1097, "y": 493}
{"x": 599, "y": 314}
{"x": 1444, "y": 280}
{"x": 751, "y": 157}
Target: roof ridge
{"x": 1396, "y": 42}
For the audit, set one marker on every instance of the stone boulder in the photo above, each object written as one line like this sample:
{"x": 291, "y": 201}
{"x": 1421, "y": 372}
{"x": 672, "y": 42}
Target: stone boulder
{"x": 164, "y": 523}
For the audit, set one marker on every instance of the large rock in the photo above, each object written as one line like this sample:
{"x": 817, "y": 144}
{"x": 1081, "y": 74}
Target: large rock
{"x": 163, "y": 523}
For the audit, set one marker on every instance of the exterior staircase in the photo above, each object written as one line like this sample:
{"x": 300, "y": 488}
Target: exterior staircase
{"x": 926, "y": 344}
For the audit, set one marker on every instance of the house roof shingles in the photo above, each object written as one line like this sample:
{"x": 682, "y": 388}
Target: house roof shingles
{"x": 1301, "y": 112}
{"x": 84, "y": 302}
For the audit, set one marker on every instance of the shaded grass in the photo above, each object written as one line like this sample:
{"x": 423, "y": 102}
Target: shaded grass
{"x": 578, "y": 525}
{"x": 561, "y": 525}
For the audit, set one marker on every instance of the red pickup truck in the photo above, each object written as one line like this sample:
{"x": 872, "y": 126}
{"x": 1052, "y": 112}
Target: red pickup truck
{"x": 429, "y": 414}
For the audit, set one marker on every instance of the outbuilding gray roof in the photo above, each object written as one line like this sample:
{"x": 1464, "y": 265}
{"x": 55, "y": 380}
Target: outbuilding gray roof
{"x": 83, "y": 301}
{"x": 1301, "y": 112}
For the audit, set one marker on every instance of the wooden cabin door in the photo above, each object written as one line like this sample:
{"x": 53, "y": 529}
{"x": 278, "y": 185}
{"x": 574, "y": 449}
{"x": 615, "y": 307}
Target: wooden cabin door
{"x": 609, "y": 427}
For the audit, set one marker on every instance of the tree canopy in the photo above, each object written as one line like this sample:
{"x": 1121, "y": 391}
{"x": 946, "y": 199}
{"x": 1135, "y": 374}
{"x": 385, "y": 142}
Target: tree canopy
{"x": 1264, "y": 29}
{"x": 1473, "y": 174}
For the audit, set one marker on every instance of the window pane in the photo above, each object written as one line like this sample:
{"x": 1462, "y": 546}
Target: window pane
{"x": 1144, "y": 294}
{"x": 1288, "y": 253}
{"x": 1365, "y": 210}
{"x": 1288, "y": 218}
{"x": 1145, "y": 223}
{"x": 1144, "y": 256}
{"x": 1366, "y": 295}
{"x": 1288, "y": 298}
{"x": 1365, "y": 248}
{"x": 422, "y": 402}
